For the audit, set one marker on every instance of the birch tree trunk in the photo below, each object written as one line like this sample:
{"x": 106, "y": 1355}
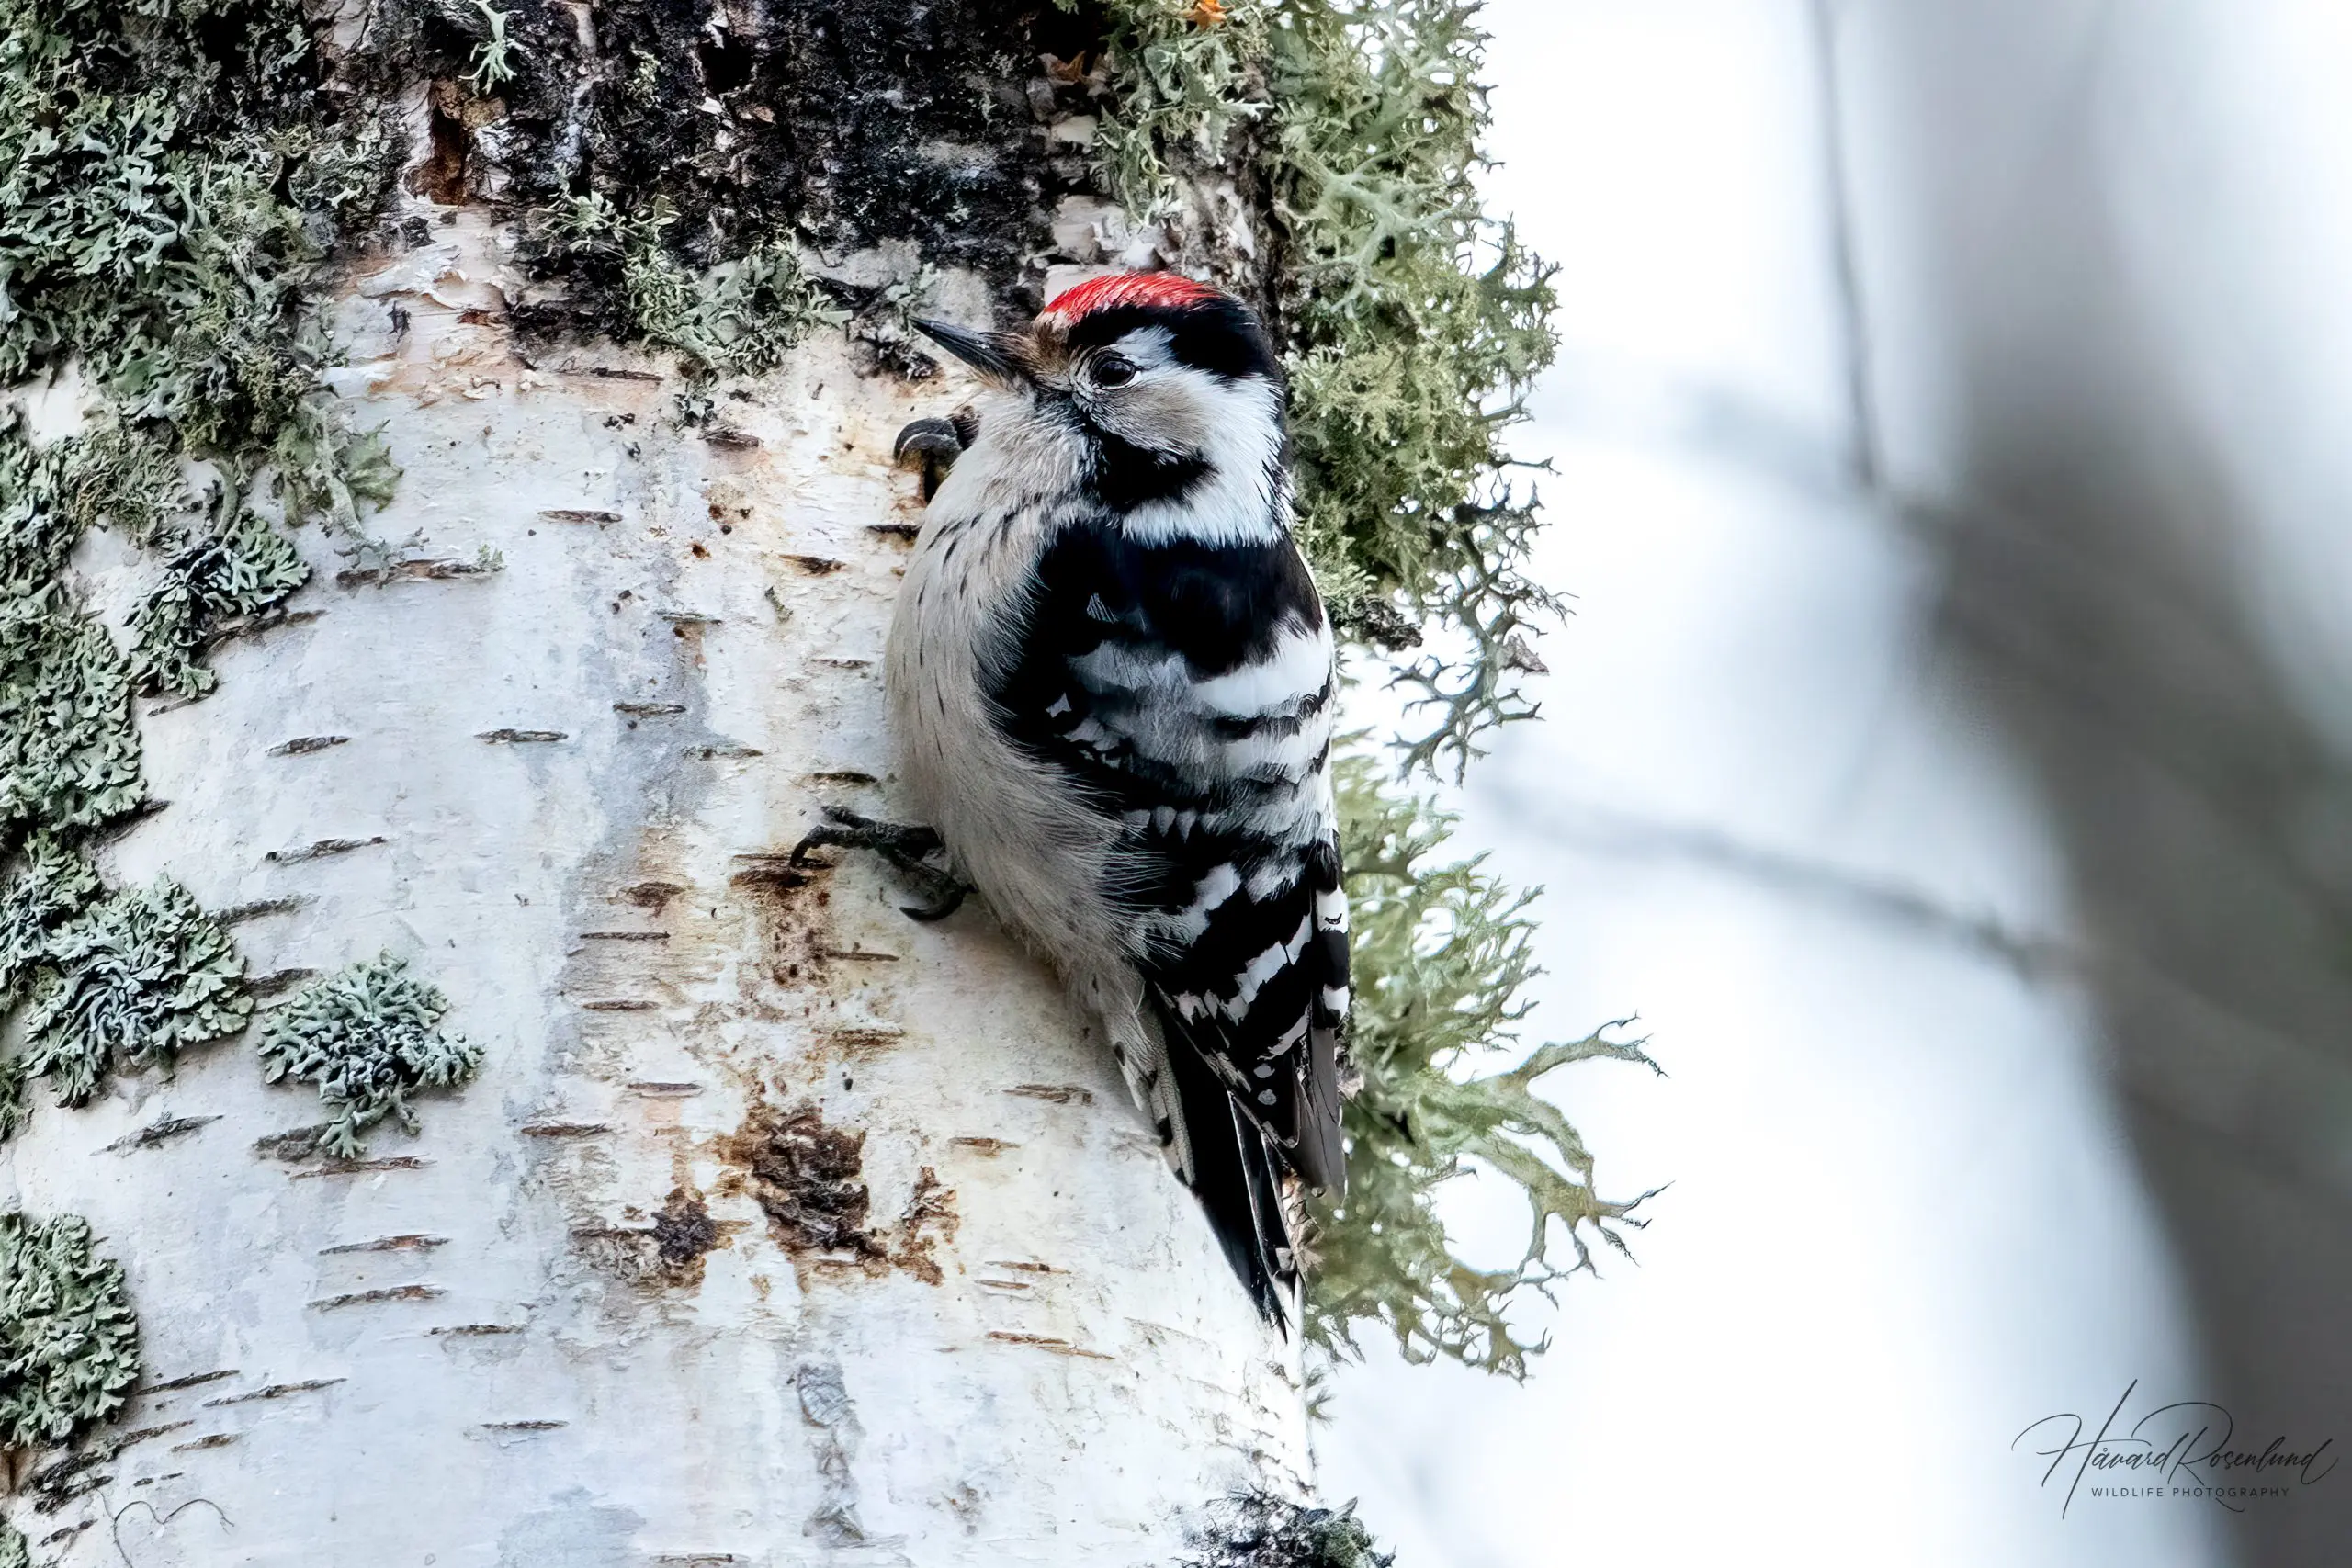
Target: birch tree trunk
{"x": 776, "y": 1228}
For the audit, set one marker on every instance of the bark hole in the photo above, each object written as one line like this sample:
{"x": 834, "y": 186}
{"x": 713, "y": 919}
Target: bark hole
{"x": 441, "y": 176}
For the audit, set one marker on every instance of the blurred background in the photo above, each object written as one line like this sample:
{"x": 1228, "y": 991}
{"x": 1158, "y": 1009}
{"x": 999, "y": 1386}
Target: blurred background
{"x": 1949, "y": 758}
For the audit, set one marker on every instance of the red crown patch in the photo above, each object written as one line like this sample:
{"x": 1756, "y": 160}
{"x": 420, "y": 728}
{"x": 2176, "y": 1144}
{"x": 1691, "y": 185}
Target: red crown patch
{"x": 1171, "y": 289}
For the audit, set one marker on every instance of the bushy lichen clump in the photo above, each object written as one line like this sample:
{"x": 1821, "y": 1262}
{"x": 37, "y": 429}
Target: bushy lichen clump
{"x": 137, "y": 978}
{"x": 369, "y": 1037}
{"x": 738, "y": 317}
{"x": 1258, "y": 1529}
{"x": 1445, "y": 949}
{"x": 1411, "y": 324}
{"x": 15, "y": 1550}
{"x": 69, "y": 1345}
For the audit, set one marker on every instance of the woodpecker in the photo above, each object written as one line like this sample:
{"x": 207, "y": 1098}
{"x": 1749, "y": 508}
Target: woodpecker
{"x": 1112, "y": 687}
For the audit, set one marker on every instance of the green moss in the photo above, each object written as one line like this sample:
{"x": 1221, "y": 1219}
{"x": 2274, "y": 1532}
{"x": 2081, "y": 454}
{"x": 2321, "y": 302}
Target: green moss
{"x": 69, "y": 1345}
{"x": 134, "y": 980}
{"x": 1258, "y": 1529}
{"x": 368, "y": 1037}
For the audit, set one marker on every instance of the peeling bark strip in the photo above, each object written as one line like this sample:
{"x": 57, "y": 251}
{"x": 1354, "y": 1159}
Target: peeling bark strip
{"x": 410, "y": 572}
{"x": 1045, "y": 1342}
{"x": 833, "y": 1440}
{"x": 359, "y": 1167}
{"x": 193, "y": 1379}
{"x": 322, "y": 849}
{"x": 261, "y": 908}
{"x": 278, "y": 981}
{"x": 275, "y": 1390}
{"x": 304, "y": 745}
{"x": 387, "y": 1244}
{"x": 1060, "y": 1094}
{"x": 160, "y": 1132}
{"x": 388, "y": 1293}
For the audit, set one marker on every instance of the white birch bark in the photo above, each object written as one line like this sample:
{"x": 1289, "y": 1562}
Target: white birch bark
{"x": 467, "y": 1352}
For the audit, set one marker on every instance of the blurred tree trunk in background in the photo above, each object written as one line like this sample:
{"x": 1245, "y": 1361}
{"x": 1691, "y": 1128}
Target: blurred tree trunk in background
{"x": 2055, "y": 268}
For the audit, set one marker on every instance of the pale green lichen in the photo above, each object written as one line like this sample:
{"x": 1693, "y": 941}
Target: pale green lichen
{"x": 494, "y": 56}
{"x": 133, "y": 981}
{"x": 51, "y": 883}
{"x": 739, "y": 317}
{"x": 171, "y": 187}
{"x": 1443, "y": 952}
{"x": 241, "y": 565}
{"x": 1259, "y": 1530}
{"x": 69, "y": 1344}
{"x": 14, "y": 1552}
{"x": 1186, "y": 75}
{"x": 369, "y": 1037}
{"x": 69, "y": 757}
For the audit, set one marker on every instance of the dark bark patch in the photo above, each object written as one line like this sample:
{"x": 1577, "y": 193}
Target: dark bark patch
{"x": 795, "y": 922}
{"x": 683, "y": 1232}
{"x": 807, "y": 1178}
{"x": 804, "y": 1175}
{"x": 929, "y": 1219}
{"x": 842, "y": 125}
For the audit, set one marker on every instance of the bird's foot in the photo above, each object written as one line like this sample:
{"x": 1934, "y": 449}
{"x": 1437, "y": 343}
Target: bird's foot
{"x": 907, "y": 846}
{"x": 935, "y": 445}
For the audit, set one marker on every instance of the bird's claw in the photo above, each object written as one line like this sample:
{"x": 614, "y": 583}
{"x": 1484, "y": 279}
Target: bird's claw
{"x": 931, "y": 438}
{"x": 935, "y": 444}
{"x": 906, "y": 846}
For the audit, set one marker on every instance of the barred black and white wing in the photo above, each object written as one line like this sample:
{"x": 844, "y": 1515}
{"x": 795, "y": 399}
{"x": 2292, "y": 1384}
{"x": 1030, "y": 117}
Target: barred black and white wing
{"x": 1185, "y": 688}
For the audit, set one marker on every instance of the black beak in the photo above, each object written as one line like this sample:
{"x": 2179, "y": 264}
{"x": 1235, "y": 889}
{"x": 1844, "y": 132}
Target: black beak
{"x": 988, "y": 352}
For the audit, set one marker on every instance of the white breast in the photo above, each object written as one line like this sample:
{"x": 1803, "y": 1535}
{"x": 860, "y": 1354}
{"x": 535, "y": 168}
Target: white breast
{"x": 1012, "y": 827}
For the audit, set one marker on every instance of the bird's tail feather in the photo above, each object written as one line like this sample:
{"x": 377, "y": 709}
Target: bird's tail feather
{"x": 1212, "y": 1144}
{"x": 1232, "y": 1170}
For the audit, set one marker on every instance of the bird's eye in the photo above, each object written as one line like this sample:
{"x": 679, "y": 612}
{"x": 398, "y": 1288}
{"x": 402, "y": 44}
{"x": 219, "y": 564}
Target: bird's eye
{"x": 1111, "y": 370}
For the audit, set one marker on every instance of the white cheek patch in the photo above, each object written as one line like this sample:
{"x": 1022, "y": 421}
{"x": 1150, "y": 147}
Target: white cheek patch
{"x": 1235, "y": 427}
